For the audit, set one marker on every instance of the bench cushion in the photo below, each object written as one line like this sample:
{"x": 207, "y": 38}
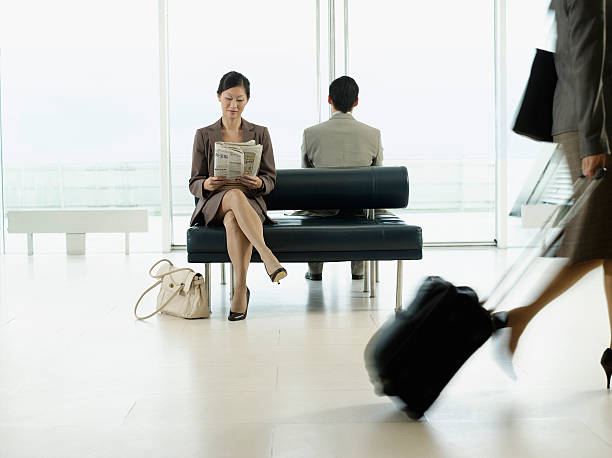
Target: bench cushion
{"x": 301, "y": 239}
{"x": 339, "y": 187}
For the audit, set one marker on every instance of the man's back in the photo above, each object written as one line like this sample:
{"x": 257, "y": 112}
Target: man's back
{"x": 341, "y": 141}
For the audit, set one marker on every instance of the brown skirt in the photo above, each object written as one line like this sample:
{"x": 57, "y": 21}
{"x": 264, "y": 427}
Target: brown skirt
{"x": 212, "y": 204}
{"x": 589, "y": 235}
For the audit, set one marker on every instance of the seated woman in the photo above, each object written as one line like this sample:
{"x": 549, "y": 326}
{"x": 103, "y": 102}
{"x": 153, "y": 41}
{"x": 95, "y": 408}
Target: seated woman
{"x": 241, "y": 211}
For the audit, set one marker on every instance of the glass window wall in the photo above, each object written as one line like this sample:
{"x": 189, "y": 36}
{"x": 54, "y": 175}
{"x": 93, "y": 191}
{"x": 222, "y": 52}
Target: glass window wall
{"x": 80, "y": 113}
{"x": 80, "y": 105}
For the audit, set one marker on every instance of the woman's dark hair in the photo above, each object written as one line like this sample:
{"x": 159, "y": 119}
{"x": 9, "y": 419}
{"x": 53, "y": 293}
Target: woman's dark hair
{"x": 234, "y": 79}
{"x": 344, "y": 92}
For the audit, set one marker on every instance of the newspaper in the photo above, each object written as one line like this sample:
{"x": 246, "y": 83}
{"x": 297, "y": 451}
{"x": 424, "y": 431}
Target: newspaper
{"x": 233, "y": 160}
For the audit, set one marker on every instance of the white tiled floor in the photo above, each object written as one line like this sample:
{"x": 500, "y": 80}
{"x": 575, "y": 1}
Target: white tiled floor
{"x": 80, "y": 378}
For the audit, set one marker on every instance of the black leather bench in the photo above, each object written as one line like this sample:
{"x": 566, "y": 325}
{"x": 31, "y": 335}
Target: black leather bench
{"x": 310, "y": 238}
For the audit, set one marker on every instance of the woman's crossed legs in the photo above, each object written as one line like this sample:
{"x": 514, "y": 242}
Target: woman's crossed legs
{"x": 244, "y": 231}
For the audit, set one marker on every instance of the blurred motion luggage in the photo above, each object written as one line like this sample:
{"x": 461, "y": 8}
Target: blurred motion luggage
{"x": 413, "y": 356}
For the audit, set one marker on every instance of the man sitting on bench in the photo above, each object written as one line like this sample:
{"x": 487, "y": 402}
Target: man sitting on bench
{"x": 342, "y": 141}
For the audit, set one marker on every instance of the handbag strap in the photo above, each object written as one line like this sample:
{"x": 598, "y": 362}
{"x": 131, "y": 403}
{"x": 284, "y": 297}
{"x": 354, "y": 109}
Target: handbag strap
{"x": 170, "y": 272}
{"x": 161, "y": 307}
{"x": 160, "y": 278}
{"x": 158, "y": 263}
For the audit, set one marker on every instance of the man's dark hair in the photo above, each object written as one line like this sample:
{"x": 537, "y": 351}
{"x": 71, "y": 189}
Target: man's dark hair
{"x": 234, "y": 79}
{"x": 344, "y": 92}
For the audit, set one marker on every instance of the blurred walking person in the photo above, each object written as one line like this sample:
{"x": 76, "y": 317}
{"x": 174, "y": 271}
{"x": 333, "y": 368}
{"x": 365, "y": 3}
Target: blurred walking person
{"x": 582, "y": 128}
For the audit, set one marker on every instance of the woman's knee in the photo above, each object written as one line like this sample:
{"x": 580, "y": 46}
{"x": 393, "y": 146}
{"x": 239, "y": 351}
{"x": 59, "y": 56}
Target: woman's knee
{"x": 234, "y": 196}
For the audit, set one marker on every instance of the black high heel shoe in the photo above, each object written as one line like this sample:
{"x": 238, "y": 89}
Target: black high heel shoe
{"x": 234, "y": 316}
{"x": 499, "y": 320}
{"x": 501, "y": 352}
{"x": 277, "y": 275}
{"x": 606, "y": 362}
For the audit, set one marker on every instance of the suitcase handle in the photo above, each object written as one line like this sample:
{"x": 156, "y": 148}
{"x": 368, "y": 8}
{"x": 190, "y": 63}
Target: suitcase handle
{"x": 584, "y": 189}
{"x": 601, "y": 173}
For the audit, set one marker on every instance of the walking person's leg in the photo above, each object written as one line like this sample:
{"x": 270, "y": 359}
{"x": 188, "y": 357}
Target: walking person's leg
{"x": 606, "y": 358}
{"x": 520, "y": 317}
{"x": 607, "y": 265}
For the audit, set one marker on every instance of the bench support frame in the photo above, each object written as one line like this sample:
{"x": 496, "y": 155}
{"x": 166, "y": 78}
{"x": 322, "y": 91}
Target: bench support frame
{"x": 223, "y": 282}
{"x": 370, "y": 266}
{"x": 399, "y": 286}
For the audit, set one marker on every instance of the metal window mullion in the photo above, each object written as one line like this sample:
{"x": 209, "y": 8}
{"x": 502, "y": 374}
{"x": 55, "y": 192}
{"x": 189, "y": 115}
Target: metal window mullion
{"x": 318, "y": 53}
{"x": 346, "y": 38}
{"x": 332, "y": 39}
{"x": 2, "y": 222}
{"x": 166, "y": 206}
{"x": 332, "y": 42}
{"x": 501, "y": 134}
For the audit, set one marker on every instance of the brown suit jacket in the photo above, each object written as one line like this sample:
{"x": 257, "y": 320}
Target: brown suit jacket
{"x": 202, "y": 165}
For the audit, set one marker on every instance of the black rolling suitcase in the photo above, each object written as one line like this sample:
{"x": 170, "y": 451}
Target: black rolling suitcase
{"x": 413, "y": 356}
{"x": 416, "y": 354}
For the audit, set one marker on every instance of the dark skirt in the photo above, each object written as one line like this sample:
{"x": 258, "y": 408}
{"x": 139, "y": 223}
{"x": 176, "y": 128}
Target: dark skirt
{"x": 589, "y": 235}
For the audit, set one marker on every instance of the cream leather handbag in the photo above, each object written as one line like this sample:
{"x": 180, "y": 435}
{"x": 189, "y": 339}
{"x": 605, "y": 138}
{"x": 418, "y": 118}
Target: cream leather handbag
{"x": 182, "y": 292}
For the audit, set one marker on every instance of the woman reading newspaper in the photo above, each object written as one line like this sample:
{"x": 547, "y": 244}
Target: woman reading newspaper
{"x": 234, "y": 199}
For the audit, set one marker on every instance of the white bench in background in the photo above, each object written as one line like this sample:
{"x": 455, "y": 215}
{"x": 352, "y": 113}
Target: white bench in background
{"x": 76, "y": 223}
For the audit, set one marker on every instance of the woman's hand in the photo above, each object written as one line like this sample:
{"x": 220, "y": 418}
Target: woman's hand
{"x": 250, "y": 182}
{"x": 214, "y": 183}
{"x": 591, "y": 164}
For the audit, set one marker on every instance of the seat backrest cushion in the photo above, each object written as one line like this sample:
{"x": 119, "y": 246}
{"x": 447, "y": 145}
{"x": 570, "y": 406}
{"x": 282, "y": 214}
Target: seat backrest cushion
{"x": 339, "y": 187}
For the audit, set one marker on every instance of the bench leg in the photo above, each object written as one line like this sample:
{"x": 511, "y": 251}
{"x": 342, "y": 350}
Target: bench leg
{"x": 207, "y": 282}
{"x": 75, "y": 244}
{"x": 30, "y": 244}
{"x": 127, "y": 243}
{"x": 377, "y": 280}
{"x": 366, "y": 276}
{"x": 223, "y": 282}
{"x": 398, "y": 289}
{"x": 372, "y": 278}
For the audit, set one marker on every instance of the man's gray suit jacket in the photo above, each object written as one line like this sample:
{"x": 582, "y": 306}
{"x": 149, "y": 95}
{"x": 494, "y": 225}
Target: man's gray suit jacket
{"x": 342, "y": 141}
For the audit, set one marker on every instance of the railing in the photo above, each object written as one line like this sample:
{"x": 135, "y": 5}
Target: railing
{"x": 454, "y": 185}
